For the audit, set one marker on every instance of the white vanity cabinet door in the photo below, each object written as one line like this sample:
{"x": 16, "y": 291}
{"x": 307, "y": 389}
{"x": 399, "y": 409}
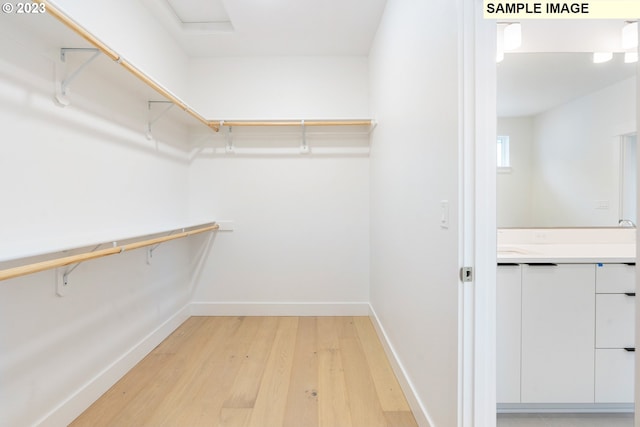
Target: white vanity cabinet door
{"x": 508, "y": 316}
{"x": 615, "y": 278}
{"x": 615, "y": 319}
{"x": 558, "y": 314}
{"x": 614, "y": 376}
{"x": 615, "y": 333}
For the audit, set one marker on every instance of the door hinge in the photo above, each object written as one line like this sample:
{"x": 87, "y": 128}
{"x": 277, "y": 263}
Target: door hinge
{"x": 466, "y": 274}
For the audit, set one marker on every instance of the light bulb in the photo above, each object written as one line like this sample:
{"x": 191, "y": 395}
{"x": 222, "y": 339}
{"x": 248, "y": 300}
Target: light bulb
{"x": 630, "y": 35}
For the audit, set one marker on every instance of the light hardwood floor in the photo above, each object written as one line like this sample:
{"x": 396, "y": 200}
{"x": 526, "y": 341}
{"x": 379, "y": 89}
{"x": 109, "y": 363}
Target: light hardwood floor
{"x": 259, "y": 372}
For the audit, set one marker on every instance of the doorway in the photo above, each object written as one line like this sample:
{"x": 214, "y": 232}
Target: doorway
{"x": 592, "y": 195}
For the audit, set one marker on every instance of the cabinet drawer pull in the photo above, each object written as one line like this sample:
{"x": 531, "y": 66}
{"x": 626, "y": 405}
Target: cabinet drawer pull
{"x": 630, "y": 294}
{"x": 542, "y": 264}
{"x": 503, "y": 264}
{"x": 630, "y": 263}
{"x": 630, "y": 349}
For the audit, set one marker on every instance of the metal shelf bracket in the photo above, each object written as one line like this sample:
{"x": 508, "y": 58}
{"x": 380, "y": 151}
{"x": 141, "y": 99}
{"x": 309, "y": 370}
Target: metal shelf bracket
{"x": 62, "y": 274}
{"x": 304, "y": 147}
{"x": 229, "y": 149}
{"x": 151, "y": 120}
{"x": 62, "y": 82}
{"x": 154, "y": 247}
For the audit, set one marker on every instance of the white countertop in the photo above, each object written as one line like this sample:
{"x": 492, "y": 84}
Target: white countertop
{"x": 567, "y": 253}
{"x": 567, "y": 245}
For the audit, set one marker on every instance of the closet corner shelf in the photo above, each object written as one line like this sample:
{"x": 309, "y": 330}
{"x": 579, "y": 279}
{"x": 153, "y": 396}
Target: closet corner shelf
{"x": 61, "y": 16}
{"x": 63, "y": 261}
{"x": 296, "y": 122}
{"x": 215, "y": 125}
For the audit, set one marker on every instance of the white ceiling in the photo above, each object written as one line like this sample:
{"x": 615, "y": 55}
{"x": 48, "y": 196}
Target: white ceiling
{"x": 530, "y": 83}
{"x": 270, "y": 27}
{"x": 547, "y": 69}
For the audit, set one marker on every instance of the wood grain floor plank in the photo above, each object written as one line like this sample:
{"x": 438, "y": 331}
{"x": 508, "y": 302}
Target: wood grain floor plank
{"x": 175, "y": 342}
{"x": 234, "y": 417}
{"x": 219, "y": 374}
{"x": 198, "y": 399}
{"x": 333, "y": 400}
{"x": 243, "y": 392}
{"x": 146, "y": 384}
{"x": 400, "y": 419}
{"x": 144, "y": 389}
{"x": 387, "y": 387}
{"x": 363, "y": 400}
{"x": 274, "y": 388}
{"x": 302, "y": 400}
{"x": 259, "y": 371}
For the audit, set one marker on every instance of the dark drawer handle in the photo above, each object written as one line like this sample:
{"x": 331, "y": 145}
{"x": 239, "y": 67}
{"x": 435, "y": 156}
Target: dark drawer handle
{"x": 630, "y": 263}
{"x": 630, "y": 294}
{"x": 503, "y": 264}
{"x": 630, "y": 349}
{"x": 542, "y": 264}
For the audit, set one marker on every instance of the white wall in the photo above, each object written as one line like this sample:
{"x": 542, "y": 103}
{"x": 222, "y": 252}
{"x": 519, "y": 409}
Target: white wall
{"x": 301, "y": 221}
{"x": 130, "y": 30}
{"x": 414, "y": 165}
{"x": 80, "y": 173}
{"x": 576, "y": 157}
{"x": 514, "y": 185}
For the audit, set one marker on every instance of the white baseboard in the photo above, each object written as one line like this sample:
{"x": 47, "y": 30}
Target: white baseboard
{"x": 77, "y": 403}
{"x": 419, "y": 411}
{"x": 279, "y": 308}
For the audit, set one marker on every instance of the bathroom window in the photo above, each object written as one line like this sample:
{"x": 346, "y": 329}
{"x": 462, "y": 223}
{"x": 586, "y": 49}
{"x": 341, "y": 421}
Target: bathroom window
{"x": 503, "y": 163}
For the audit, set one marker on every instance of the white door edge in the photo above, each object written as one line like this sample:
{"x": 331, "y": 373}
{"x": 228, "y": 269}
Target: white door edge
{"x": 477, "y": 99}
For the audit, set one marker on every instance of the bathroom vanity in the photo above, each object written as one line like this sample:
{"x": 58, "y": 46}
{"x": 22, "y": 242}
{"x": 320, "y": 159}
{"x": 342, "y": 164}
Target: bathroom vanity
{"x": 565, "y": 319}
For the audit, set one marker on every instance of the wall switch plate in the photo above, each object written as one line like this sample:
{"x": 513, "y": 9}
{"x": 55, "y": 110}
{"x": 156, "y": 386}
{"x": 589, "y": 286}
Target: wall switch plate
{"x": 444, "y": 214}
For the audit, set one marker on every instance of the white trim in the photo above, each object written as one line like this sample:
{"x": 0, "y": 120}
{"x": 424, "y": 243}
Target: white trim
{"x": 637, "y": 335}
{"x": 485, "y": 230}
{"x": 564, "y": 408}
{"x": 476, "y": 313}
{"x": 280, "y": 308}
{"x": 419, "y": 411}
{"x": 78, "y": 402}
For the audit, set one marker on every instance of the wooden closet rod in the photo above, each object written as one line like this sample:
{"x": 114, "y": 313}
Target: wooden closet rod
{"x": 235, "y": 123}
{"x": 82, "y": 32}
{"x": 23, "y": 270}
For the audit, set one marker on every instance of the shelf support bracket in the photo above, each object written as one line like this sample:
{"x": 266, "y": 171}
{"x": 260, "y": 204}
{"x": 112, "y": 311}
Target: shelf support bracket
{"x": 152, "y": 121}
{"x": 62, "y": 83}
{"x": 154, "y": 247}
{"x": 62, "y": 275}
{"x": 304, "y": 148}
{"x": 229, "y": 148}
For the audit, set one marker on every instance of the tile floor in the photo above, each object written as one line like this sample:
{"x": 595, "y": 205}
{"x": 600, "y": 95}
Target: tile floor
{"x": 565, "y": 420}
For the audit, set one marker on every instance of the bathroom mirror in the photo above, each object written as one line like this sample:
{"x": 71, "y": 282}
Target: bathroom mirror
{"x": 569, "y": 156}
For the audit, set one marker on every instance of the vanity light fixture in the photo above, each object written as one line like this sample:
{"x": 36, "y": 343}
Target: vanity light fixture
{"x": 500, "y": 47}
{"x": 630, "y": 57}
{"x": 630, "y": 35}
{"x": 512, "y": 36}
{"x": 509, "y": 37}
{"x": 600, "y": 57}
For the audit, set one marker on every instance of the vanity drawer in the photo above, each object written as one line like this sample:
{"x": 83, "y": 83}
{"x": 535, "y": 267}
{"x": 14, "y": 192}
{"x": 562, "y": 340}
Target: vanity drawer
{"x": 614, "y": 376}
{"x": 615, "y": 319}
{"x": 615, "y": 278}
